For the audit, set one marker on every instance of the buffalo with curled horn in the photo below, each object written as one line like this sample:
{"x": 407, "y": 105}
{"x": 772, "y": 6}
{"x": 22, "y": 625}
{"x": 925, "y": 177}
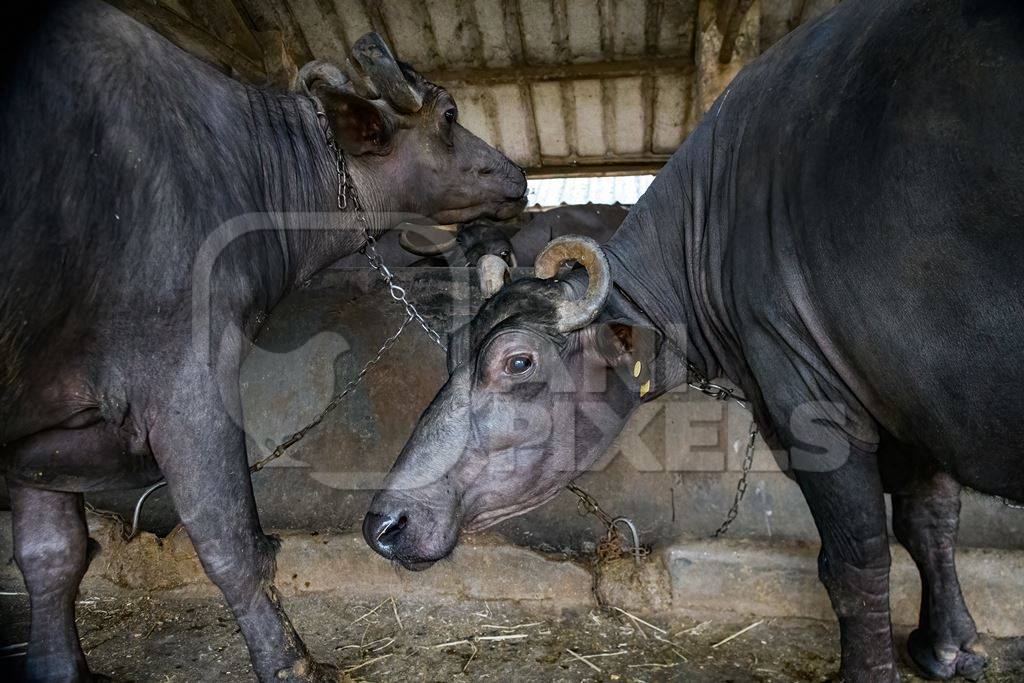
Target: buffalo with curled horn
{"x": 856, "y": 283}
{"x": 492, "y": 415}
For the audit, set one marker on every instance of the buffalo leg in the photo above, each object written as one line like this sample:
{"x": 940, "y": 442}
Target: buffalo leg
{"x": 51, "y": 548}
{"x": 202, "y": 455}
{"x": 925, "y": 517}
{"x": 849, "y": 511}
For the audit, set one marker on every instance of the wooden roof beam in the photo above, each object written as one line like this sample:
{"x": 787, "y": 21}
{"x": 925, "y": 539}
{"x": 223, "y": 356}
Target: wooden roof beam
{"x": 561, "y": 72}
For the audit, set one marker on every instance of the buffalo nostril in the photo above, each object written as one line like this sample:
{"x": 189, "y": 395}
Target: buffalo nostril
{"x": 383, "y": 531}
{"x": 390, "y": 529}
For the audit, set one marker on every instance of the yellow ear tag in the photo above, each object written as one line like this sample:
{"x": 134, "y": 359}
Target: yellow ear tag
{"x": 636, "y": 369}
{"x": 645, "y": 388}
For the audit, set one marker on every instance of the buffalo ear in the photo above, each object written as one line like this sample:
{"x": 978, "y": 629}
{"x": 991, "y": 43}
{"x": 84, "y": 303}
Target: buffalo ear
{"x": 458, "y": 347}
{"x": 624, "y": 344}
{"x": 359, "y": 127}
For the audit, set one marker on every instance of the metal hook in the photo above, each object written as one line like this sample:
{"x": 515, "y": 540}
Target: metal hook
{"x": 138, "y": 508}
{"x": 636, "y": 550}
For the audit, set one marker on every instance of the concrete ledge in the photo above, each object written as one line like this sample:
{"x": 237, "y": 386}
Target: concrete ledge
{"x": 485, "y": 568}
{"x": 698, "y": 577}
{"x": 762, "y": 579}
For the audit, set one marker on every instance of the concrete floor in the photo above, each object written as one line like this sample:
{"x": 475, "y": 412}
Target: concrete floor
{"x": 136, "y": 636}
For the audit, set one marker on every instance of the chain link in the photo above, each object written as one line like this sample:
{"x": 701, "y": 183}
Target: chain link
{"x": 721, "y": 393}
{"x": 398, "y": 293}
{"x": 335, "y": 400}
{"x": 715, "y": 391}
{"x": 588, "y": 505}
{"x": 741, "y": 486}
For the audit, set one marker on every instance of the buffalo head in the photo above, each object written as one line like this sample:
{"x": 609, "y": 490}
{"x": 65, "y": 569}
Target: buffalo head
{"x": 404, "y": 139}
{"x": 541, "y": 381}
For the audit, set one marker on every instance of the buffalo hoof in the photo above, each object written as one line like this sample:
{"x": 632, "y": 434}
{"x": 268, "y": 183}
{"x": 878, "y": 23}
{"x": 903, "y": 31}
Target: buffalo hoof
{"x": 946, "y": 661}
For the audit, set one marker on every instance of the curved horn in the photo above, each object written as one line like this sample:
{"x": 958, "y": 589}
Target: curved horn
{"x": 427, "y": 249}
{"x": 384, "y": 74}
{"x": 360, "y": 83}
{"x": 318, "y": 70}
{"x": 575, "y": 313}
{"x": 493, "y": 273}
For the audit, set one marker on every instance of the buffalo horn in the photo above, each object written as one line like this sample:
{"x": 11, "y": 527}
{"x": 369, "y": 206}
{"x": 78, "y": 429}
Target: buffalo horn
{"x": 360, "y": 83}
{"x": 316, "y": 71}
{"x": 426, "y": 247}
{"x": 575, "y": 313}
{"x": 383, "y": 73}
{"x": 493, "y": 272}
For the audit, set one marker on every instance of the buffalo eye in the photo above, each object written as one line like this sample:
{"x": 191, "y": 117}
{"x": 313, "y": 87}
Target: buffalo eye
{"x": 451, "y": 114}
{"x": 518, "y": 364}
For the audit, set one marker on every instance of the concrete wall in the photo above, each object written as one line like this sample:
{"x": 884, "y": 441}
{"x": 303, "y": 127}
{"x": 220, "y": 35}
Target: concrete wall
{"x": 673, "y": 470}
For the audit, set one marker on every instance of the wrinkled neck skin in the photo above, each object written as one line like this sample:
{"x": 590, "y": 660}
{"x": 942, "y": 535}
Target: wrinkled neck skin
{"x": 667, "y": 259}
{"x": 299, "y": 183}
{"x": 293, "y": 180}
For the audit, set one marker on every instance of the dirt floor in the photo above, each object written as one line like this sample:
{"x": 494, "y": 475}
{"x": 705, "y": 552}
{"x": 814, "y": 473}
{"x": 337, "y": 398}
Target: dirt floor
{"x": 156, "y": 638}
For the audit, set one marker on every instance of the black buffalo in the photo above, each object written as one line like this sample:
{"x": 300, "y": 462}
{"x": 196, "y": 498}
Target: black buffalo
{"x": 152, "y": 210}
{"x": 842, "y": 237}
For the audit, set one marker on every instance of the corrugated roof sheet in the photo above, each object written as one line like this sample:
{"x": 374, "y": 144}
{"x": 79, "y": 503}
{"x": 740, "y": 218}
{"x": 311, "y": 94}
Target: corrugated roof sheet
{"x": 563, "y": 87}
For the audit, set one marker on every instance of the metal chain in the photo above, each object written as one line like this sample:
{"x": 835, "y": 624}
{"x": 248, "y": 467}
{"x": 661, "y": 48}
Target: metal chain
{"x": 721, "y": 393}
{"x": 333, "y": 403}
{"x": 715, "y": 391}
{"x": 589, "y": 505}
{"x": 280, "y": 449}
{"x": 369, "y": 249}
{"x": 398, "y": 293}
{"x": 741, "y": 486}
